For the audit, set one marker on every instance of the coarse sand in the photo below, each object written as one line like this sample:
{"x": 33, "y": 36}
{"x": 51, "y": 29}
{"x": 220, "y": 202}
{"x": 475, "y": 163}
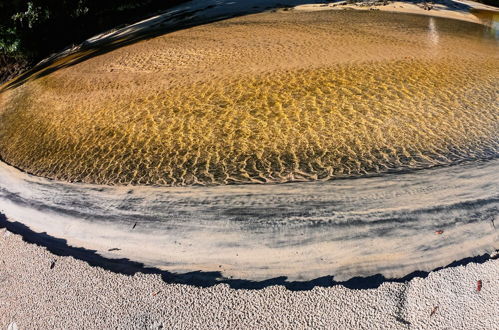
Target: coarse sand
{"x": 42, "y": 291}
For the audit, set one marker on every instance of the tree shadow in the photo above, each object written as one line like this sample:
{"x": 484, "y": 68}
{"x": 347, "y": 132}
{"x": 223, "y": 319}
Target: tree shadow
{"x": 190, "y": 14}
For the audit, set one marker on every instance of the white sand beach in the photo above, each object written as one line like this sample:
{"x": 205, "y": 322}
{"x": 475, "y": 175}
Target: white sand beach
{"x": 41, "y": 291}
{"x": 44, "y": 290}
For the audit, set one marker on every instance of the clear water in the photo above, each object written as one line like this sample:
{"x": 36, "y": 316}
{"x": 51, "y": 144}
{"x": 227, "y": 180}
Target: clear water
{"x": 272, "y": 97}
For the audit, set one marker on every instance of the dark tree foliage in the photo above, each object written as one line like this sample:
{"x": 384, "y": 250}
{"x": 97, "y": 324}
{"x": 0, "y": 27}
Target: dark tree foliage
{"x": 494, "y": 3}
{"x": 32, "y": 29}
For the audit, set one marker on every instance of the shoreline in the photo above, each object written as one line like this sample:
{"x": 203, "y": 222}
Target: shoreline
{"x": 199, "y": 12}
{"x": 184, "y": 234}
{"x": 439, "y": 8}
{"x": 347, "y": 228}
{"x": 323, "y": 211}
{"x": 63, "y": 266}
{"x": 123, "y": 266}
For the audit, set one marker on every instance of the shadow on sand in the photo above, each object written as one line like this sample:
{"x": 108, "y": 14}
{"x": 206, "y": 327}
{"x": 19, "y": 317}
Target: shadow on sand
{"x": 190, "y": 14}
{"x": 125, "y": 266}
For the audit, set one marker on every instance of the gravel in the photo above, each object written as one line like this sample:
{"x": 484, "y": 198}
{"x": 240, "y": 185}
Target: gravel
{"x": 42, "y": 291}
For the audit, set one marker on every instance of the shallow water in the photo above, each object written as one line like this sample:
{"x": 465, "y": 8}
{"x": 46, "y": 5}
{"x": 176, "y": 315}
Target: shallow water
{"x": 271, "y": 97}
{"x": 491, "y": 19}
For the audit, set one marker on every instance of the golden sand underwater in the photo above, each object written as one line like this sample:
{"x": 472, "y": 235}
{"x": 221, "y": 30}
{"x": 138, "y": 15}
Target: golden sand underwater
{"x": 271, "y": 97}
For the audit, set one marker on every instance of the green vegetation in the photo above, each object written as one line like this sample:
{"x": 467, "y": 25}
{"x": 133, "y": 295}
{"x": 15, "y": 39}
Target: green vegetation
{"x": 32, "y": 29}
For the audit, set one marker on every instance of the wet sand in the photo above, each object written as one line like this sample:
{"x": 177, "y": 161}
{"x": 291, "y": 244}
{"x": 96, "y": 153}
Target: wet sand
{"x": 388, "y": 225}
{"x": 42, "y": 291}
{"x": 327, "y": 100}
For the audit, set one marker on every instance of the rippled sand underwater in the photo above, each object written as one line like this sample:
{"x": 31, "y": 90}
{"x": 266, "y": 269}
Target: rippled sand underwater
{"x": 272, "y": 97}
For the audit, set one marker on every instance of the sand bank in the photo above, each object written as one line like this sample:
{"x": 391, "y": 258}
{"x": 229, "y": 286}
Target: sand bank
{"x": 387, "y": 225}
{"x": 42, "y": 291}
{"x": 180, "y": 108}
{"x": 460, "y": 10}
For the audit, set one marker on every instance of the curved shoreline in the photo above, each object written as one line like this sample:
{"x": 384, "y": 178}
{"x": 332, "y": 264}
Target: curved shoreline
{"x": 402, "y": 242}
{"x": 59, "y": 247}
{"x": 387, "y": 224}
{"x": 347, "y": 228}
{"x": 202, "y": 12}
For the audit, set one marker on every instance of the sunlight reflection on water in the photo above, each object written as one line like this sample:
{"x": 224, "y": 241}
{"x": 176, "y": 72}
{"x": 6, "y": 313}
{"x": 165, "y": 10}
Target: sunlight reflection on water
{"x": 432, "y": 31}
{"x": 491, "y": 18}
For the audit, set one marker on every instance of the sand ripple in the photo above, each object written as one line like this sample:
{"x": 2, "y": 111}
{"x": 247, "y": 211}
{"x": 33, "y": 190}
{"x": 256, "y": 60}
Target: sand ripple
{"x": 266, "y": 98}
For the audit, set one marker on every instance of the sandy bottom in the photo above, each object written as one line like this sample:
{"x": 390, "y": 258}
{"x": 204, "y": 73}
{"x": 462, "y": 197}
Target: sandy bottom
{"x": 42, "y": 291}
{"x": 272, "y": 97}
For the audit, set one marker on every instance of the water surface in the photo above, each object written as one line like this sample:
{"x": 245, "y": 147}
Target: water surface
{"x": 272, "y": 97}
